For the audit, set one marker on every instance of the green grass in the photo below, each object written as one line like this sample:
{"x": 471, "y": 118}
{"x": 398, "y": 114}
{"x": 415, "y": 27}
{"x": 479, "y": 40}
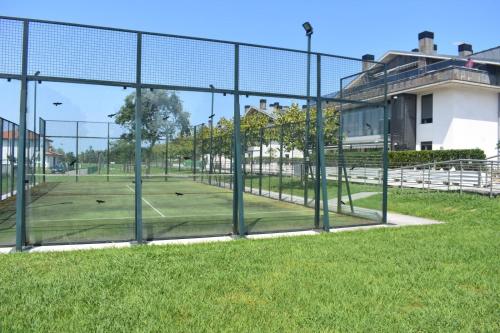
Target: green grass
{"x": 296, "y": 187}
{"x": 416, "y": 279}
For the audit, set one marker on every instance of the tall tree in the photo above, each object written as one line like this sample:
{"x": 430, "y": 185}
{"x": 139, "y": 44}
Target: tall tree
{"x": 157, "y": 106}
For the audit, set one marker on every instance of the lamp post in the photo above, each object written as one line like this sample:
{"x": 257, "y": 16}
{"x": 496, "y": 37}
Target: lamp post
{"x": 211, "y": 120}
{"x": 309, "y": 31}
{"x": 166, "y": 146}
{"x": 34, "y": 129}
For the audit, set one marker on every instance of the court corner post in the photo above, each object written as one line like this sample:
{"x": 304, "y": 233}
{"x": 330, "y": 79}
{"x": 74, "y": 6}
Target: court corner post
{"x": 238, "y": 212}
{"x": 385, "y": 165}
{"x": 321, "y": 151}
{"x": 21, "y": 165}
{"x": 138, "y": 144}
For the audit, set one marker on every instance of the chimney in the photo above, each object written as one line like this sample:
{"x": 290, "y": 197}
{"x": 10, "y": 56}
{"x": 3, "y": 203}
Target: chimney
{"x": 414, "y": 50}
{"x": 426, "y": 42}
{"x": 435, "y": 48}
{"x": 367, "y": 61}
{"x": 465, "y": 50}
{"x": 247, "y": 107}
{"x": 263, "y": 104}
{"x": 304, "y": 107}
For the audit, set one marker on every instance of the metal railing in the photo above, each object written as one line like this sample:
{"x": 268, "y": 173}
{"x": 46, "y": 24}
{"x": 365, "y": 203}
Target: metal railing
{"x": 461, "y": 175}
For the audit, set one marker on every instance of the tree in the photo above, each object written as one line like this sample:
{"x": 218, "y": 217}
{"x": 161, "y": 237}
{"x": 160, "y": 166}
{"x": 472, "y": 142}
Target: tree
{"x": 157, "y": 105}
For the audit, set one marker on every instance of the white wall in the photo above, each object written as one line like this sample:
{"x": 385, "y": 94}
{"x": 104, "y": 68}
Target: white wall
{"x": 463, "y": 118}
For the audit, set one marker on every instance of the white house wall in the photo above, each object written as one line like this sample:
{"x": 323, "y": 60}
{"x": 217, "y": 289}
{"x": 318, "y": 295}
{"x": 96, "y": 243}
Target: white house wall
{"x": 463, "y": 118}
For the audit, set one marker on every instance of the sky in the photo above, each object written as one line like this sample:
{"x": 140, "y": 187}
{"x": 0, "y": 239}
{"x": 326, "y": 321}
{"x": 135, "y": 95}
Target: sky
{"x": 350, "y": 28}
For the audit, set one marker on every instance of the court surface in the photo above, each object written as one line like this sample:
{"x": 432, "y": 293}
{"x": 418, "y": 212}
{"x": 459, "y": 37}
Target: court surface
{"x": 96, "y": 209}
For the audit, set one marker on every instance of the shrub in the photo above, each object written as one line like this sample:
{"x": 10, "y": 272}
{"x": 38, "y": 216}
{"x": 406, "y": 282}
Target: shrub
{"x": 412, "y": 157}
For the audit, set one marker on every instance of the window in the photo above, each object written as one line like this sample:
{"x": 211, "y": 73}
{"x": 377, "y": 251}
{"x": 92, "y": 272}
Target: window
{"x": 426, "y": 145}
{"x": 427, "y": 109}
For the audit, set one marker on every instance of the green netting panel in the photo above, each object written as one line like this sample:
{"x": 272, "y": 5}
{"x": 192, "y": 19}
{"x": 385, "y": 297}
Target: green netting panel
{"x": 8, "y": 167}
{"x": 85, "y": 191}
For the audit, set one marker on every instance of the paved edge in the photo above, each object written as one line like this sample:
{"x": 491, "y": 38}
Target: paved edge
{"x": 394, "y": 221}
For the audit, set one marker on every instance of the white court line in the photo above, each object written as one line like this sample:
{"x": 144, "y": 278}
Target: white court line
{"x": 149, "y": 204}
{"x": 171, "y": 216}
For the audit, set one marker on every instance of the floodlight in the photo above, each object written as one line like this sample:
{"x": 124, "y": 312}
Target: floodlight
{"x": 308, "y": 28}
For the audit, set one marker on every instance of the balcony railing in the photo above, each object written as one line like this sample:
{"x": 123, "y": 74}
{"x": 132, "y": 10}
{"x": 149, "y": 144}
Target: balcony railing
{"x": 371, "y": 85}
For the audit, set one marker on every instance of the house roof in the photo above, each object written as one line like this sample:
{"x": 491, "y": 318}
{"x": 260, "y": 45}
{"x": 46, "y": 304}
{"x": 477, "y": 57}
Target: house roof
{"x": 389, "y": 55}
{"x": 53, "y": 153}
{"x": 252, "y": 109}
{"x": 7, "y": 135}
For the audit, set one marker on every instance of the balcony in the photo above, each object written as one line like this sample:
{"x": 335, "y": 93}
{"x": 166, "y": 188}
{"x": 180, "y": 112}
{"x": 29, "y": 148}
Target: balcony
{"x": 368, "y": 86}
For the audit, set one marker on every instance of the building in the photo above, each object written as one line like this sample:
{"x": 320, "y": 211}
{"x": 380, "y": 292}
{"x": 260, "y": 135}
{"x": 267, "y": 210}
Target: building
{"x": 436, "y": 101}
{"x": 273, "y": 148}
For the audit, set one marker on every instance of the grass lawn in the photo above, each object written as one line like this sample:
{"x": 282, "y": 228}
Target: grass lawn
{"x": 294, "y": 186}
{"x": 430, "y": 278}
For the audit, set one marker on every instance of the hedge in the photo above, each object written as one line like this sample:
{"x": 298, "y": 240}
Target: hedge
{"x": 412, "y": 157}
{"x": 396, "y": 158}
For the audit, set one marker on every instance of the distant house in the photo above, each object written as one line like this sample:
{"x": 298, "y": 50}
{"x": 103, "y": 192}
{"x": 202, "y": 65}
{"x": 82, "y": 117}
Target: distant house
{"x": 9, "y": 143}
{"x": 9, "y": 151}
{"x": 53, "y": 160}
{"x": 272, "y": 149}
{"x": 436, "y": 101}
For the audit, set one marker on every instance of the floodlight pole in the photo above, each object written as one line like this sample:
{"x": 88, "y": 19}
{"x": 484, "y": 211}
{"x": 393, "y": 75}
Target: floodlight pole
{"x": 34, "y": 128}
{"x": 308, "y": 118}
{"x": 166, "y": 145}
{"x": 194, "y": 152}
{"x": 211, "y": 137}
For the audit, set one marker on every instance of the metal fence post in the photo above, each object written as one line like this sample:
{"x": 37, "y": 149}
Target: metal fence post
{"x": 461, "y": 176}
{"x": 166, "y": 156}
{"x": 280, "y": 175}
{"x": 44, "y": 146}
{"x": 194, "y": 153}
{"x": 321, "y": 150}
{"x": 401, "y": 180}
{"x": 261, "y": 134}
{"x": 238, "y": 212}
{"x": 423, "y": 177}
{"x": 340, "y": 158}
{"x": 1, "y": 157}
{"x": 12, "y": 157}
{"x": 138, "y": 144}
{"x": 491, "y": 179}
{"x": 21, "y": 149}
{"x": 449, "y": 176}
{"x": 479, "y": 175}
{"x": 385, "y": 157}
{"x": 107, "y": 157}
{"x": 76, "y": 157}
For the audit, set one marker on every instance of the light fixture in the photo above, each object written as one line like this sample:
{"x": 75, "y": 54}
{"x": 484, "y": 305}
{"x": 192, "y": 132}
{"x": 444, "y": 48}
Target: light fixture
{"x": 308, "y": 28}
